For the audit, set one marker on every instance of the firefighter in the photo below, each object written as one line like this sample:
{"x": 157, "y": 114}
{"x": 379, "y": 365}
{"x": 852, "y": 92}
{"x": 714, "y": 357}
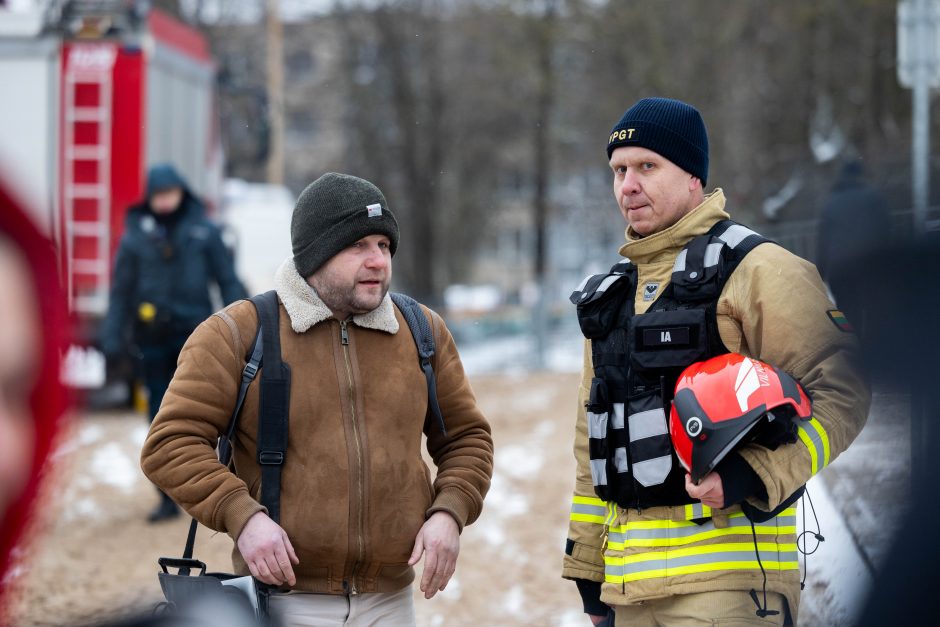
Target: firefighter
{"x": 169, "y": 256}
{"x": 647, "y": 545}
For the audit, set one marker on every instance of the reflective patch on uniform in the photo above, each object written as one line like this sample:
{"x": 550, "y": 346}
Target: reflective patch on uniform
{"x": 620, "y": 460}
{"x": 694, "y": 511}
{"x": 703, "y": 559}
{"x": 588, "y": 509}
{"x": 713, "y": 254}
{"x": 647, "y": 424}
{"x": 679, "y": 266}
{"x": 616, "y": 420}
{"x": 597, "y": 425}
{"x": 649, "y": 291}
{"x": 813, "y": 435}
{"x": 735, "y": 234}
{"x": 666, "y": 533}
{"x": 651, "y": 472}
{"x": 599, "y": 471}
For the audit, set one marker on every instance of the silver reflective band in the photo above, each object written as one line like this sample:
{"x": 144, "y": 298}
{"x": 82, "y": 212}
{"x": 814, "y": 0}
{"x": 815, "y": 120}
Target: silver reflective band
{"x": 620, "y": 460}
{"x": 608, "y": 282}
{"x": 680, "y": 261}
{"x": 646, "y": 424}
{"x": 583, "y": 283}
{"x": 652, "y": 471}
{"x": 698, "y": 510}
{"x": 675, "y": 533}
{"x": 735, "y": 234}
{"x": 591, "y": 510}
{"x": 707, "y": 558}
{"x": 599, "y": 471}
{"x": 712, "y": 254}
{"x": 616, "y": 421}
{"x": 597, "y": 425}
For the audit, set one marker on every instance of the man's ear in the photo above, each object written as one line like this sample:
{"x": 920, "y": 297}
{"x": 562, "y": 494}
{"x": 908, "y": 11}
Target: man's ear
{"x": 694, "y": 183}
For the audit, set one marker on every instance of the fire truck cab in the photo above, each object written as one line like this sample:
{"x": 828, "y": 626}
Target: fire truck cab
{"x": 98, "y": 91}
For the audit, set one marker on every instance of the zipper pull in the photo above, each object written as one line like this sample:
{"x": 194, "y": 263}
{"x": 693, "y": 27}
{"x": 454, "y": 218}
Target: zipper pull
{"x": 344, "y": 335}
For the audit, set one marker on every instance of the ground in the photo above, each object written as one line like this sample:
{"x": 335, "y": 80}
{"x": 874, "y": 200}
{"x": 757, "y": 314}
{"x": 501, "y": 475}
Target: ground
{"x": 94, "y": 556}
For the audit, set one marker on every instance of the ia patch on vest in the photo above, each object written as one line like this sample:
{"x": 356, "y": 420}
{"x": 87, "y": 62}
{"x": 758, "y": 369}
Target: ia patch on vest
{"x": 842, "y": 323}
{"x": 649, "y": 291}
{"x": 375, "y": 210}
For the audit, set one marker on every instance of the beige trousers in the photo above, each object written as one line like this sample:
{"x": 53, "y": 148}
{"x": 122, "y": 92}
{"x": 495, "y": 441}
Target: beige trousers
{"x": 379, "y": 609}
{"x": 732, "y": 608}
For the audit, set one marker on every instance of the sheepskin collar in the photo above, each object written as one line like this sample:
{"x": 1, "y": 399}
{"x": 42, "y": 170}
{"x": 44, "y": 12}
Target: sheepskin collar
{"x": 305, "y": 308}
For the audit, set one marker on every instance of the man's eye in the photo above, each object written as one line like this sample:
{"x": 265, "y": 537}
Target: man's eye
{"x": 648, "y": 165}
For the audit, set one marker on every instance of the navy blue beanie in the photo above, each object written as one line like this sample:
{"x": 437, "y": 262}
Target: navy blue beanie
{"x": 670, "y": 128}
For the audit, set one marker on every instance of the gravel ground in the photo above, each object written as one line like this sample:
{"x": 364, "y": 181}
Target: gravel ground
{"x": 94, "y": 556}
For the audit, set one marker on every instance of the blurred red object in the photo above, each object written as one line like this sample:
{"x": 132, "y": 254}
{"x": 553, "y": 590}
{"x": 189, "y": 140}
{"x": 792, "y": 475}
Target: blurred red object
{"x": 48, "y": 400}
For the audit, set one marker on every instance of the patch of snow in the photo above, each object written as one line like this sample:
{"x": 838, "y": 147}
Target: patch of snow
{"x": 87, "y": 434}
{"x": 453, "y": 590}
{"x": 572, "y": 618}
{"x": 519, "y": 462}
{"x": 838, "y": 580}
{"x": 139, "y": 435}
{"x": 82, "y": 508}
{"x": 514, "y": 601}
{"x": 505, "y": 501}
{"x": 111, "y": 465}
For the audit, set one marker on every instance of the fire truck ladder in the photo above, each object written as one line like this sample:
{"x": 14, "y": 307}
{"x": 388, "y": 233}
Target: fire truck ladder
{"x": 86, "y": 203}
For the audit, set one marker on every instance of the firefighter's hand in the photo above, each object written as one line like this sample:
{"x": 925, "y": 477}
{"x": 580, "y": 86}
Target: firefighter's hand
{"x": 267, "y": 551}
{"x": 710, "y": 491}
{"x": 439, "y": 537}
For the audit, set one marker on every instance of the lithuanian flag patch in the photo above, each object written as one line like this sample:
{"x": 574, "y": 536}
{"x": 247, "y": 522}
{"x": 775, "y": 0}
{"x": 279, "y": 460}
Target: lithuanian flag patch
{"x": 838, "y": 318}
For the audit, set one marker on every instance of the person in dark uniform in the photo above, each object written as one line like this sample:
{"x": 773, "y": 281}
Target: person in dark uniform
{"x": 169, "y": 256}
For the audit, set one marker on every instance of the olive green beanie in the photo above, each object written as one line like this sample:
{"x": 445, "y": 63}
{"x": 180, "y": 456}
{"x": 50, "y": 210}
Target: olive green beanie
{"x": 334, "y": 212}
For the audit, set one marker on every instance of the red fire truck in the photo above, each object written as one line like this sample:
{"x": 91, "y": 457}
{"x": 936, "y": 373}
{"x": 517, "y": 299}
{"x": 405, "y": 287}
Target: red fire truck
{"x": 96, "y": 92}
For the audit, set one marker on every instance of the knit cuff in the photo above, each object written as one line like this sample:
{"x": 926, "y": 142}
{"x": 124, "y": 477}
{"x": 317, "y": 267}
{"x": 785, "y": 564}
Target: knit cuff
{"x": 454, "y": 503}
{"x": 738, "y": 480}
{"x": 236, "y": 511}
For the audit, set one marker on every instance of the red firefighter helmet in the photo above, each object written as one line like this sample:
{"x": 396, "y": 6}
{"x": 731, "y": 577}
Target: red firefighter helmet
{"x": 728, "y": 400}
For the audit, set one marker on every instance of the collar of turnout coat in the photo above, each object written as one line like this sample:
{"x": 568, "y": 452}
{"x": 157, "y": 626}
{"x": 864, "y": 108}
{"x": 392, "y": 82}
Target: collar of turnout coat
{"x": 306, "y": 309}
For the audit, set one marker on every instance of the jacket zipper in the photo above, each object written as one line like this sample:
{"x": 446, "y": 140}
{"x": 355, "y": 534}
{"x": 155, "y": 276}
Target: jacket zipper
{"x": 344, "y": 338}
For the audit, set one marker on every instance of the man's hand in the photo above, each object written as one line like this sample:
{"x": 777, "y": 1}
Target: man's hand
{"x": 440, "y": 537}
{"x": 267, "y": 551}
{"x": 710, "y": 491}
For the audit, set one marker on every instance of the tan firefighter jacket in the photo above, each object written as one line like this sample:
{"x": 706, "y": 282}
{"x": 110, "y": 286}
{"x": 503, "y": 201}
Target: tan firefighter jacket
{"x": 775, "y": 308}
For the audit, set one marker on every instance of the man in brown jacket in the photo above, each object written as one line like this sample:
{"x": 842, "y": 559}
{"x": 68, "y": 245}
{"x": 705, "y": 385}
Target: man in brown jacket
{"x": 692, "y": 284}
{"x": 358, "y": 508}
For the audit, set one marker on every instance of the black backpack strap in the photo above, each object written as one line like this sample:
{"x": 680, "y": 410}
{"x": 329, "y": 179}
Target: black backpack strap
{"x": 225, "y": 440}
{"x": 274, "y": 404}
{"x": 424, "y": 340}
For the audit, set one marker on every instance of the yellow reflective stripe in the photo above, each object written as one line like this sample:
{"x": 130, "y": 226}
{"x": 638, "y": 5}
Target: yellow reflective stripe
{"x": 707, "y": 549}
{"x": 701, "y": 568}
{"x": 589, "y": 500}
{"x": 669, "y": 524}
{"x": 589, "y": 510}
{"x": 726, "y": 556}
{"x": 698, "y": 537}
{"x": 697, "y": 510}
{"x": 814, "y": 437}
{"x": 666, "y": 533}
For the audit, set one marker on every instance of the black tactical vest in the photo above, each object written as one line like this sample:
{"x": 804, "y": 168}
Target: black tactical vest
{"x": 638, "y": 358}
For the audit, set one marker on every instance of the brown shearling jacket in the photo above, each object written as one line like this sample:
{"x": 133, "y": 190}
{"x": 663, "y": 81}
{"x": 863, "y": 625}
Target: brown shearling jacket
{"x": 354, "y": 488}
